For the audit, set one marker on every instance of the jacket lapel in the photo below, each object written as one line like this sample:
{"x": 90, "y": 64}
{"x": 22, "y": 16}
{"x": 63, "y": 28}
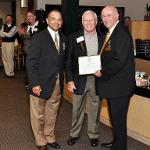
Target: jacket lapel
{"x": 82, "y": 44}
{"x": 100, "y": 42}
{"x": 108, "y": 47}
{"x": 61, "y": 43}
{"x": 50, "y": 40}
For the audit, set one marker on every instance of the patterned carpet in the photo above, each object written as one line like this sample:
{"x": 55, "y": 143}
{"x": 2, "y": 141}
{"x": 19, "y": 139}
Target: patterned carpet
{"x": 15, "y": 130}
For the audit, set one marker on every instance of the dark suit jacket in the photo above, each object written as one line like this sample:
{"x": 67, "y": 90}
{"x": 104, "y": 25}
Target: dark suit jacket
{"x": 28, "y": 36}
{"x": 41, "y": 26}
{"x": 74, "y": 51}
{"x": 118, "y": 66}
{"x": 43, "y": 63}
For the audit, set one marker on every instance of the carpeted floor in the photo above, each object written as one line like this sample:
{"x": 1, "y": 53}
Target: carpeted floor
{"x": 15, "y": 130}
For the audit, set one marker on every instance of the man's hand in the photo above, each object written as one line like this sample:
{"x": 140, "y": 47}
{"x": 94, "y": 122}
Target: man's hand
{"x": 36, "y": 90}
{"x": 22, "y": 31}
{"x": 98, "y": 73}
{"x": 71, "y": 86}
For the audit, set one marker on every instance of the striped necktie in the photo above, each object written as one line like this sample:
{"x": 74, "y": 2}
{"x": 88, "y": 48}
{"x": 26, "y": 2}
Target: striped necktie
{"x": 105, "y": 41}
{"x": 56, "y": 42}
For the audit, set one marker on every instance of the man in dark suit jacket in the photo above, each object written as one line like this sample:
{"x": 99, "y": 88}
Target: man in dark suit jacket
{"x": 27, "y": 30}
{"x": 30, "y": 27}
{"x": 45, "y": 63}
{"x": 83, "y": 43}
{"x": 116, "y": 80}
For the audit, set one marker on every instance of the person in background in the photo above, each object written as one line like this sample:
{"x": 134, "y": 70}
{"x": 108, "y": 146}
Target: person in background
{"x": 22, "y": 30}
{"x": 30, "y": 27}
{"x": 27, "y": 30}
{"x": 8, "y": 34}
{"x": 83, "y": 43}
{"x": 45, "y": 64}
{"x": 116, "y": 79}
{"x": 127, "y": 20}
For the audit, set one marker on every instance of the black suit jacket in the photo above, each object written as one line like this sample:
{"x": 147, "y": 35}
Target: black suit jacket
{"x": 40, "y": 26}
{"x": 74, "y": 51}
{"x": 118, "y": 66}
{"x": 43, "y": 63}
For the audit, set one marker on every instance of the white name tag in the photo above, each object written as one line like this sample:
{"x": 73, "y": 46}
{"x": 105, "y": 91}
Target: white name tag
{"x": 80, "y": 39}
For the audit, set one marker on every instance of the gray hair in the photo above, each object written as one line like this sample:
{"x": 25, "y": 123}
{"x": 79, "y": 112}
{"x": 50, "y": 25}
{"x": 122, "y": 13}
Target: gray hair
{"x": 90, "y": 11}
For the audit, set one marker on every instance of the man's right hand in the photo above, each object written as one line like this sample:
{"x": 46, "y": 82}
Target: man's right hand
{"x": 22, "y": 31}
{"x": 36, "y": 90}
{"x": 98, "y": 73}
{"x": 71, "y": 86}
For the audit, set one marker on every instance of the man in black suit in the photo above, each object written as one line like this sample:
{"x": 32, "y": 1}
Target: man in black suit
{"x": 30, "y": 27}
{"x": 45, "y": 63}
{"x": 83, "y": 43}
{"x": 27, "y": 30}
{"x": 116, "y": 80}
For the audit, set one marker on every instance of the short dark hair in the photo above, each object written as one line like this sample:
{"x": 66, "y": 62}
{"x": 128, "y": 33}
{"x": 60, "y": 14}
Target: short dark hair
{"x": 10, "y": 15}
{"x": 54, "y": 10}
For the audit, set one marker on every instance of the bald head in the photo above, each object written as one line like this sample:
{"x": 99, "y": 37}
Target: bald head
{"x": 111, "y": 8}
{"x": 109, "y": 16}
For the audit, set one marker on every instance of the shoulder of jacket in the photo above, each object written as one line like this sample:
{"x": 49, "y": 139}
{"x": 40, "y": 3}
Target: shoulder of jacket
{"x": 76, "y": 35}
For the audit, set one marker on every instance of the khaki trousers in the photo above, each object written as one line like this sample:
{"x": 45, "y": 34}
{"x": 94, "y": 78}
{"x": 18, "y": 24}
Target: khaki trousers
{"x": 93, "y": 110}
{"x": 8, "y": 57}
{"x": 43, "y": 115}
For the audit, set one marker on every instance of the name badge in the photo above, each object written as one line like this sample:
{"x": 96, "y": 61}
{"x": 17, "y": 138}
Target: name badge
{"x": 80, "y": 39}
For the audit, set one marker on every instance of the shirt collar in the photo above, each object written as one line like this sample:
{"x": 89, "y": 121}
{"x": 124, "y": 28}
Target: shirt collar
{"x": 112, "y": 29}
{"x": 33, "y": 26}
{"x": 9, "y": 24}
{"x": 88, "y": 35}
{"x": 52, "y": 32}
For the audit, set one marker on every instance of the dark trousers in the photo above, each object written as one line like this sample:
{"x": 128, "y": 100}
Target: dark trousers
{"x": 118, "y": 108}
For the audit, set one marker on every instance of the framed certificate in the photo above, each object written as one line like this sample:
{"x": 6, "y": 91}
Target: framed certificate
{"x": 89, "y": 64}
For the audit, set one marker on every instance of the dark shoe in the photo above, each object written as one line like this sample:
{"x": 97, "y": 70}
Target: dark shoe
{"x": 94, "y": 142}
{"x": 72, "y": 140}
{"x": 42, "y": 147}
{"x": 107, "y": 145}
{"x": 54, "y": 145}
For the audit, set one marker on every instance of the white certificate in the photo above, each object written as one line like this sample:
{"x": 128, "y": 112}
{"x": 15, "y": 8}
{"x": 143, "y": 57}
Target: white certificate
{"x": 89, "y": 64}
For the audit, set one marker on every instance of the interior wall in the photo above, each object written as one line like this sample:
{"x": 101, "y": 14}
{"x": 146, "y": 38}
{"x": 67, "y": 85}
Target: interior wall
{"x": 41, "y": 3}
{"x": 20, "y": 13}
{"x": 5, "y": 8}
{"x": 135, "y": 9}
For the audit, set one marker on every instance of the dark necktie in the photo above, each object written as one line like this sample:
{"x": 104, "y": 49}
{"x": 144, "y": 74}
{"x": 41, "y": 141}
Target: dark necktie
{"x": 30, "y": 31}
